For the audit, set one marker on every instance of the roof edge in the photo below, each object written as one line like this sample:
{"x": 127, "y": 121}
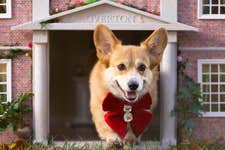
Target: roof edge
{"x": 85, "y": 26}
{"x": 48, "y": 23}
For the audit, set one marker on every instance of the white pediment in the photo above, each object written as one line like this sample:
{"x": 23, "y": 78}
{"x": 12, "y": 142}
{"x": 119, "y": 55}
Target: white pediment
{"x": 107, "y": 14}
{"x": 116, "y": 16}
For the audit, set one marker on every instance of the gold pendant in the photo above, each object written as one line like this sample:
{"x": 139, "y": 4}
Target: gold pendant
{"x": 127, "y": 108}
{"x": 128, "y": 117}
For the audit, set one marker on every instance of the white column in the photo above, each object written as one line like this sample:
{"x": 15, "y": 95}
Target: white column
{"x": 41, "y": 86}
{"x": 40, "y": 9}
{"x": 168, "y": 86}
{"x": 168, "y": 77}
{"x": 168, "y": 9}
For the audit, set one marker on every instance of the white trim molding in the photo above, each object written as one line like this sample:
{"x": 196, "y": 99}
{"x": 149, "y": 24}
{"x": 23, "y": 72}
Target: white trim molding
{"x": 8, "y": 81}
{"x": 202, "y": 48}
{"x": 14, "y": 48}
{"x": 8, "y": 13}
{"x": 84, "y": 18}
{"x": 168, "y": 6}
{"x": 208, "y": 82}
{"x": 210, "y": 15}
{"x": 40, "y": 9}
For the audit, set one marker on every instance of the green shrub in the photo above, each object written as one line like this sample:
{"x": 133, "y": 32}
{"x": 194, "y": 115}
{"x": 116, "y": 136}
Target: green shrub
{"x": 189, "y": 103}
{"x": 12, "y": 113}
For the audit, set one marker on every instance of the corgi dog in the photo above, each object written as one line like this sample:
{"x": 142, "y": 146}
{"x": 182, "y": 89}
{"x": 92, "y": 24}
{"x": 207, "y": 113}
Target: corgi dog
{"x": 128, "y": 73}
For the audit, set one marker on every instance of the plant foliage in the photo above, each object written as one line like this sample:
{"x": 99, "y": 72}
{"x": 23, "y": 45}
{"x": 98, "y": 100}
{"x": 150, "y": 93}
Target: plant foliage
{"x": 12, "y": 113}
{"x": 12, "y": 53}
{"x": 189, "y": 103}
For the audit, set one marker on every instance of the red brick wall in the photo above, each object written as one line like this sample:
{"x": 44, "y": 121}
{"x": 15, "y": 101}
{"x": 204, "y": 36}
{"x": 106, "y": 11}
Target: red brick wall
{"x": 21, "y": 75}
{"x": 61, "y": 5}
{"x": 211, "y": 129}
{"x": 21, "y": 83}
{"x": 211, "y": 32}
{"x": 154, "y": 5}
{"x": 21, "y": 13}
{"x": 22, "y": 80}
{"x": 193, "y": 56}
{"x": 7, "y": 137}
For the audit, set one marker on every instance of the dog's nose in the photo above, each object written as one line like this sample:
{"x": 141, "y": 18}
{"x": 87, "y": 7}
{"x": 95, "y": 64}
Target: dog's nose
{"x": 133, "y": 85}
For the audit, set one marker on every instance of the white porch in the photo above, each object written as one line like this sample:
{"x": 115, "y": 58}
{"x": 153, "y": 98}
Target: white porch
{"x": 84, "y": 18}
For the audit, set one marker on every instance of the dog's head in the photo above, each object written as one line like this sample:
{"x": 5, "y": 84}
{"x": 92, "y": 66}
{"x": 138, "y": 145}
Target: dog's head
{"x": 128, "y": 69}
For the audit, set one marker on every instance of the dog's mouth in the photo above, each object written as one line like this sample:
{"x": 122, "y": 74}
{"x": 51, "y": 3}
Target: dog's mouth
{"x": 129, "y": 95}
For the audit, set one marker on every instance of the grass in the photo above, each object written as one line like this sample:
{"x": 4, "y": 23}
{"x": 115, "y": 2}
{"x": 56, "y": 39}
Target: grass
{"x": 88, "y": 146}
{"x": 199, "y": 147}
{"x": 68, "y": 146}
{"x": 36, "y": 147}
{"x": 73, "y": 146}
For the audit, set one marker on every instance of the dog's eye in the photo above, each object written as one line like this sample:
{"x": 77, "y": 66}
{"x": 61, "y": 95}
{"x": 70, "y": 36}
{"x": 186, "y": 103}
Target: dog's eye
{"x": 141, "y": 67}
{"x": 121, "y": 67}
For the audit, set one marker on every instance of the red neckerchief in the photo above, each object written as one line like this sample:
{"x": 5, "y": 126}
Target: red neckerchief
{"x": 114, "y": 116}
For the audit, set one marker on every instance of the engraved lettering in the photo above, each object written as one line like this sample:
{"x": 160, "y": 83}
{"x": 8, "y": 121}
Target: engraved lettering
{"x": 111, "y": 19}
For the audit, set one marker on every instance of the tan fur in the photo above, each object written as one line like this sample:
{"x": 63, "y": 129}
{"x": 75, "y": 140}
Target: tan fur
{"x": 110, "y": 53}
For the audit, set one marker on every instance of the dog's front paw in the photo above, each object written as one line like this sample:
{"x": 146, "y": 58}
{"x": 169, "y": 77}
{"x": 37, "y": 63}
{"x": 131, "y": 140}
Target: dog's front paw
{"x": 130, "y": 139}
{"x": 113, "y": 140}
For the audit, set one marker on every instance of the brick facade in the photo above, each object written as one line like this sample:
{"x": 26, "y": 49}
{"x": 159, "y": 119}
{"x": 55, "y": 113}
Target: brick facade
{"x": 21, "y": 83}
{"x": 59, "y": 5}
{"x": 21, "y": 13}
{"x": 22, "y": 80}
{"x": 21, "y": 75}
{"x": 152, "y": 5}
{"x": 193, "y": 56}
{"x": 211, "y": 32}
{"x": 21, "y": 65}
{"x": 7, "y": 137}
{"x": 210, "y": 129}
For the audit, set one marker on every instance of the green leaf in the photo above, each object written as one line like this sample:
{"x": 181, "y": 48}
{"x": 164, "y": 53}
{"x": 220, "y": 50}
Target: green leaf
{"x": 1, "y": 108}
{"x": 27, "y": 108}
{"x": 189, "y": 123}
{"x": 90, "y": 1}
{"x": 184, "y": 93}
{"x": 15, "y": 111}
{"x": 2, "y": 129}
{"x": 24, "y": 96}
{"x": 16, "y": 106}
{"x": 10, "y": 126}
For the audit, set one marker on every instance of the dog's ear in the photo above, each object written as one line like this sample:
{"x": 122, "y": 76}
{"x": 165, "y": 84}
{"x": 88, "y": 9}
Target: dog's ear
{"x": 105, "y": 41}
{"x": 155, "y": 45}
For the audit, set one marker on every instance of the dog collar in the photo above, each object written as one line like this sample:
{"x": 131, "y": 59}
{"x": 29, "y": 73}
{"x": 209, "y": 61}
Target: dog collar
{"x": 120, "y": 112}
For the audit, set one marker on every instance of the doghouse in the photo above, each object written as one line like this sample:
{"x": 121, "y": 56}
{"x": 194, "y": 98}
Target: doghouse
{"x": 63, "y": 53}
